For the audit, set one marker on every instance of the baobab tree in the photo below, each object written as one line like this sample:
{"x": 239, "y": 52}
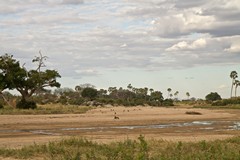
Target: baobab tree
{"x": 233, "y": 76}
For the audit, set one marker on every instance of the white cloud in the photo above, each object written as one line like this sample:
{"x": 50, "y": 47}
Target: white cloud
{"x": 234, "y": 48}
{"x": 108, "y": 34}
{"x": 197, "y": 44}
{"x": 222, "y": 86}
{"x": 87, "y": 72}
{"x": 72, "y": 1}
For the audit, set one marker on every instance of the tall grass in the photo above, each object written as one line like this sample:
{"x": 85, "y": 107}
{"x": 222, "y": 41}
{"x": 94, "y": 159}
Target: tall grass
{"x": 77, "y": 148}
{"x": 46, "y": 109}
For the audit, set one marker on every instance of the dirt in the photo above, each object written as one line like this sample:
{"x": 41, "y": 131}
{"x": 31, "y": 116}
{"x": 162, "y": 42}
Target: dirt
{"x": 172, "y": 124}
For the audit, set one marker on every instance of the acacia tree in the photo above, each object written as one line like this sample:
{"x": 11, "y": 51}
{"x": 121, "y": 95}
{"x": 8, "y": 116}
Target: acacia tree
{"x": 24, "y": 81}
{"x": 213, "y": 96}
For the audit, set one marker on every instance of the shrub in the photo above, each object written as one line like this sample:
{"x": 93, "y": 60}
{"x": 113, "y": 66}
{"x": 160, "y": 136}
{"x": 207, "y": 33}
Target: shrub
{"x": 225, "y": 102}
{"x": 77, "y": 101}
{"x": 1, "y": 106}
{"x": 23, "y": 104}
{"x": 168, "y": 102}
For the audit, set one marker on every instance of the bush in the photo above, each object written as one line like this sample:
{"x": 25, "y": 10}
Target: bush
{"x": 1, "y": 106}
{"x": 77, "y": 101}
{"x": 225, "y": 102}
{"x": 168, "y": 102}
{"x": 26, "y": 105}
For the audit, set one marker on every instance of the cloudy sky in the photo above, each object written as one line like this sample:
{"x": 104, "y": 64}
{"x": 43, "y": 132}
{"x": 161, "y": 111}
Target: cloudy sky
{"x": 189, "y": 46}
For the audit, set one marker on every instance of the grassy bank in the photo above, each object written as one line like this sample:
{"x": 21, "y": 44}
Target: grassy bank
{"x": 46, "y": 109}
{"x": 75, "y": 149}
{"x": 209, "y": 106}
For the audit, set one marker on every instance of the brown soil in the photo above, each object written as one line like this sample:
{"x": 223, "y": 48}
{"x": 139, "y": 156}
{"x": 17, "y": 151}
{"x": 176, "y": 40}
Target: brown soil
{"x": 99, "y": 125}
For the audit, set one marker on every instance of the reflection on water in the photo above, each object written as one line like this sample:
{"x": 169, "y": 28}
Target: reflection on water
{"x": 157, "y": 126}
{"x": 205, "y": 125}
{"x": 235, "y": 126}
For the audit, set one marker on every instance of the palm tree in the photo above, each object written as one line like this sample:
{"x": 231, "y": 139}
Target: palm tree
{"x": 169, "y": 91}
{"x": 233, "y": 75}
{"x": 236, "y": 83}
{"x": 188, "y": 94}
{"x": 151, "y": 90}
{"x": 176, "y": 94}
{"x": 130, "y": 87}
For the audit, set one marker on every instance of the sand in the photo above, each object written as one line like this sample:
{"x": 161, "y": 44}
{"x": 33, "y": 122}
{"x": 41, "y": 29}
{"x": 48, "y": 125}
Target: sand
{"x": 99, "y": 125}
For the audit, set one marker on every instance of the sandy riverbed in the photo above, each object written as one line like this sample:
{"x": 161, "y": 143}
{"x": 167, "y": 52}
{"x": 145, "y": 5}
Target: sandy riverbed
{"x": 99, "y": 125}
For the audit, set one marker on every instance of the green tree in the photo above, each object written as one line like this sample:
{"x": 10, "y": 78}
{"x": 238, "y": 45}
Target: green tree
{"x": 176, "y": 94}
{"x": 213, "y": 96}
{"x": 89, "y": 93}
{"x": 130, "y": 87}
{"x": 151, "y": 90}
{"x": 24, "y": 81}
{"x": 169, "y": 91}
{"x": 156, "y": 96}
{"x": 233, "y": 76}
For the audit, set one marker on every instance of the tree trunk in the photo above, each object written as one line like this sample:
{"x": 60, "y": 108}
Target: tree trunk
{"x": 5, "y": 99}
{"x": 236, "y": 91}
{"x": 232, "y": 88}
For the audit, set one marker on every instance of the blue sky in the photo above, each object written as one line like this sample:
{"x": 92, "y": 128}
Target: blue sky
{"x": 189, "y": 46}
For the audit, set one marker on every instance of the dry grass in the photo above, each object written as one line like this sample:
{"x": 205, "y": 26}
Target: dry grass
{"x": 47, "y": 109}
{"x": 77, "y": 148}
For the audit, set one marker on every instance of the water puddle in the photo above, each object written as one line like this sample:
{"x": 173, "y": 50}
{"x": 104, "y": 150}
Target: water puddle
{"x": 203, "y": 125}
{"x": 235, "y": 126}
{"x": 43, "y": 132}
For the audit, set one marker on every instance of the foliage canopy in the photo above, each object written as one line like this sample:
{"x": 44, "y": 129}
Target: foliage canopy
{"x": 26, "y": 82}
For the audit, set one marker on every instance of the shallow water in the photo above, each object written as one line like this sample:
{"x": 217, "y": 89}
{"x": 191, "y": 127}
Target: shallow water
{"x": 203, "y": 125}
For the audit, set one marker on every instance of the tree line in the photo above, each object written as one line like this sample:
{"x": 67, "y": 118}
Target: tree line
{"x": 35, "y": 85}
{"x": 32, "y": 84}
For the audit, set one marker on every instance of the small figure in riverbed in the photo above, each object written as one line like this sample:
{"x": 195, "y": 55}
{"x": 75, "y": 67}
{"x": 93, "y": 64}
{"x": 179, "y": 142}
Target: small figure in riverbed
{"x": 116, "y": 117}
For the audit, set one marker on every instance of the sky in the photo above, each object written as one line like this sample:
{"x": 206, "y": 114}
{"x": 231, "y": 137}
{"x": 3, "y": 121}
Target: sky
{"x": 186, "y": 45}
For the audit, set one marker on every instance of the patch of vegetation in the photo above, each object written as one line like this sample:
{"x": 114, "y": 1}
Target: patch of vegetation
{"x": 47, "y": 109}
{"x": 23, "y": 104}
{"x": 209, "y": 106}
{"x": 225, "y": 102}
{"x": 1, "y": 106}
{"x": 77, "y": 148}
